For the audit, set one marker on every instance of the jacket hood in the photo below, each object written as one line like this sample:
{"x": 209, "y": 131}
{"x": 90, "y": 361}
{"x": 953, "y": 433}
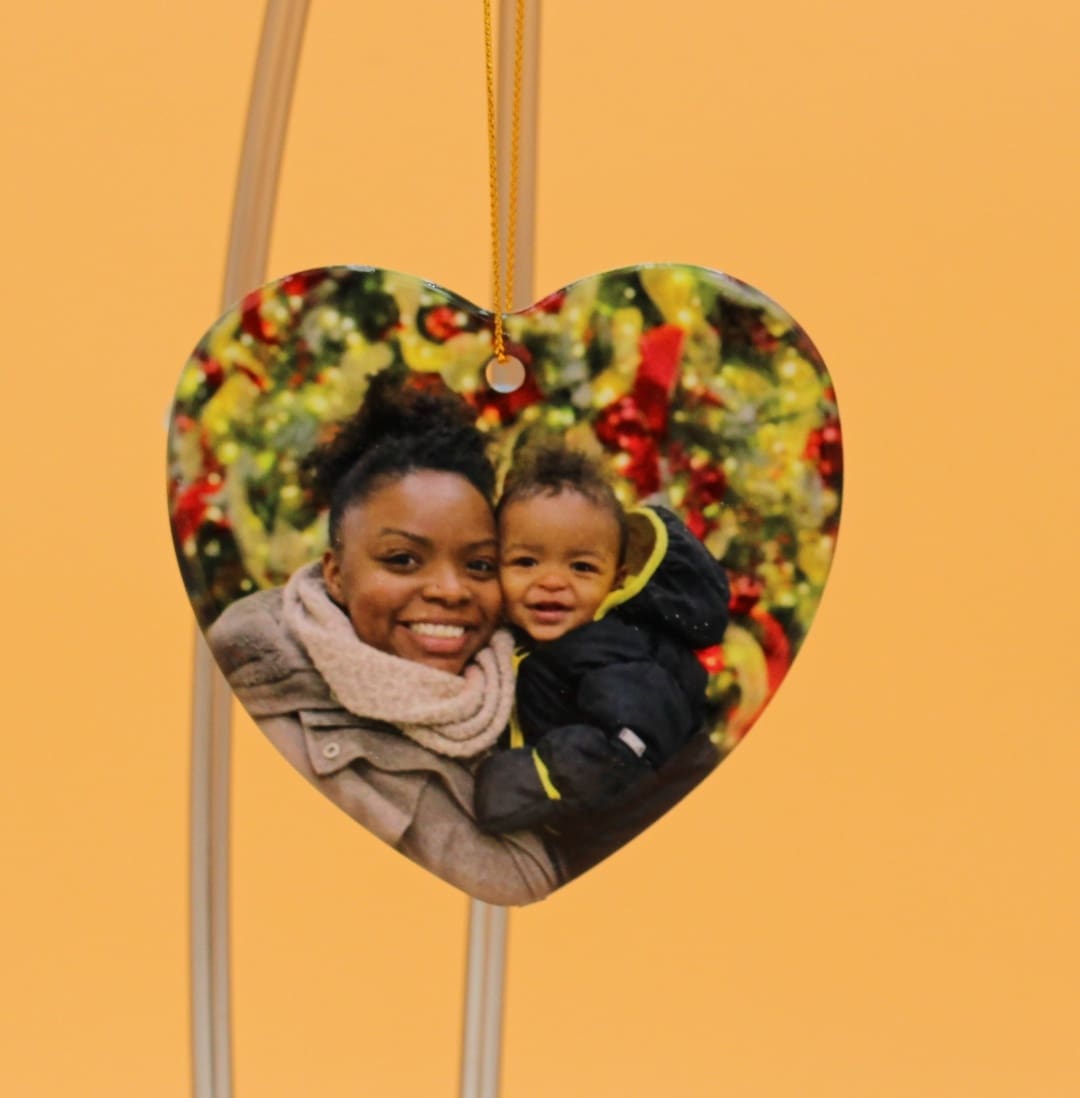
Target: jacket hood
{"x": 673, "y": 582}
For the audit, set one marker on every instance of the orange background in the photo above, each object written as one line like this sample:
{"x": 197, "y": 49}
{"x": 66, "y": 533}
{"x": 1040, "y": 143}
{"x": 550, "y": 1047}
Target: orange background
{"x": 876, "y": 895}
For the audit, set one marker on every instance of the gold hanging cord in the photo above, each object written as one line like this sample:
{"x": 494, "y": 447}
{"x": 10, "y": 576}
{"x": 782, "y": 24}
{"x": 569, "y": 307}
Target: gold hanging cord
{"x": 503, "y": 294}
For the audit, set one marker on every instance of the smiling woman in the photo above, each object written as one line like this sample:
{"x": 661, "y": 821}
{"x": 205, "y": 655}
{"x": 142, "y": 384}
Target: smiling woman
{"x": 413, "y": 566}
{"x": 379, "y": 671}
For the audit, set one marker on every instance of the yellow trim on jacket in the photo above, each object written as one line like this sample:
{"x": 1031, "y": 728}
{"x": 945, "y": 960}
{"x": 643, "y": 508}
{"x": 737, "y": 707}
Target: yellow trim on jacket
{"x": 517, "y": 737}
{"x": 545, "y": 778}
{"x": 637, "y": 581}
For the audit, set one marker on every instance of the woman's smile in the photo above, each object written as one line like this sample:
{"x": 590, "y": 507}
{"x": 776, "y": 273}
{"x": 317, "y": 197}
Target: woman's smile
{"x": 438, "y": 639}
{"x": 436, "y": 629}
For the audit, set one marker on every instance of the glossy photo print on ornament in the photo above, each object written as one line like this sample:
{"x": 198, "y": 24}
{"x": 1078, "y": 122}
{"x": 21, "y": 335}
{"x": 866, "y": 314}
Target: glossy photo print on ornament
{"x": 505, "y": 632}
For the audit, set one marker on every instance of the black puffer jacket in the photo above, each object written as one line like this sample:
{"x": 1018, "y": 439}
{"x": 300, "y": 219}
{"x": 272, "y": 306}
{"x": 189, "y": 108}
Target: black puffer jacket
{"x": 609, "y": 703}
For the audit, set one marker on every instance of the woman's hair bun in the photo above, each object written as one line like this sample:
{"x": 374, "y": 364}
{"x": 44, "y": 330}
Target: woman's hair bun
{"x": 407, "y": 422}
{"x": 397, "y": 406}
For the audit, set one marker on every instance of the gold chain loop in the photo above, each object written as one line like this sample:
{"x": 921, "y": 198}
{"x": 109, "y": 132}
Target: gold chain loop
{"x": 504, "y": 294}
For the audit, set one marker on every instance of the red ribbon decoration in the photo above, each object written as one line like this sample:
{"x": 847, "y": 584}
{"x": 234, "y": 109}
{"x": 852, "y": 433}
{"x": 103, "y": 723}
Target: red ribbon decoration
{"x": 637, "y": 422}
{"x": 661, "y": 352}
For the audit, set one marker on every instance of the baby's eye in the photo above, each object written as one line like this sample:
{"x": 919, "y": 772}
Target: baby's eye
{"x": 584, "y": 566}
{"x": 522, "y": 561}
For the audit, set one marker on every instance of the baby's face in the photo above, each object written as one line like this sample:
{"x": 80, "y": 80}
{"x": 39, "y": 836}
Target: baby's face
{"x": 558, "y": 559}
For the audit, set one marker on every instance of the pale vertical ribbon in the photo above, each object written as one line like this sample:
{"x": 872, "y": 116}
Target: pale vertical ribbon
{"x": 486, "y": 963}
{"x": 211, "y": 708}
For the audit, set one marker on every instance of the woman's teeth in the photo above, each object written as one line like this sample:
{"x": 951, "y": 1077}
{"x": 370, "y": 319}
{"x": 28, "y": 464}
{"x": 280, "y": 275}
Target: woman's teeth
{"x": 432, "y": 629}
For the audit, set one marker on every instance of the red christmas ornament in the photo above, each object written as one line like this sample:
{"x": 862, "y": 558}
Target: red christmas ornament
{"x": 553, "y": 303}
{"x": 707, "y": 485}
{"x": 761, "y": 339}
{"x": 251, "y": 319}
{"x": 620, "y": 422}
{"x": 622, "y": 426}
{"x": 712, "y": 659}
{"x": 214, "y": 373}
{"x": 678, "y": 459}
{"x": 697, "y": 523}
{"x": 299, "y": 284}
{"x": 440, "y": 323}
{"x": 745, "y": 592}
{"x": 191, "y": 506}
{"x": 824, "y": 448}
{"x": 775, "y": 644}
{"x": 644, "y": 467}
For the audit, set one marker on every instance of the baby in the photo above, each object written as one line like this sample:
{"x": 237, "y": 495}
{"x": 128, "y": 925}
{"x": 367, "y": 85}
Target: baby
{"x": 610, "y": 608}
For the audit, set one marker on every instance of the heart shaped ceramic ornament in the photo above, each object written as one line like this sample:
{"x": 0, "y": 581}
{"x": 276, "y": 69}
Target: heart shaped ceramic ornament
{"x": 505, "y": 631}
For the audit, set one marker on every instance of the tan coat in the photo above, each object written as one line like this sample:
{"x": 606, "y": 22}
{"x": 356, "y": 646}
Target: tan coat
{"x": 418, "y": 802}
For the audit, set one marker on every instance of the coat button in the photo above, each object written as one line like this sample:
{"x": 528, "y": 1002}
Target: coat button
{"x": 331, "y": 750}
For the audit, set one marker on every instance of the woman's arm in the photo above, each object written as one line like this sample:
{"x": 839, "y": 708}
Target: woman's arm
{"x": 422, "y": 814}
{"x": 509, "y": 869}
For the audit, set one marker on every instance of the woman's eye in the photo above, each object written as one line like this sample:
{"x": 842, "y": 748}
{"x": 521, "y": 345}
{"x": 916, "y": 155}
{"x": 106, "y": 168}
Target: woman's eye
{"x": 482, "y": 567}
{"x": 399, "y": 560}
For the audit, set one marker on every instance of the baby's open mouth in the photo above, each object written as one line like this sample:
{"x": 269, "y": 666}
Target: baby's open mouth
{"x": 548, "y": 612}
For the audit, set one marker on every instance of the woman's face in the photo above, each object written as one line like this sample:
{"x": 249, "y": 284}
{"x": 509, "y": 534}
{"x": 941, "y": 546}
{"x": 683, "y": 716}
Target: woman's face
{"x": 416, "y": 572}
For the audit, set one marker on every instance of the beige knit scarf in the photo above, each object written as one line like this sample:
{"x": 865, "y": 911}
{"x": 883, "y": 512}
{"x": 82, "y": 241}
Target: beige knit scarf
{"x": 455, "y": 715}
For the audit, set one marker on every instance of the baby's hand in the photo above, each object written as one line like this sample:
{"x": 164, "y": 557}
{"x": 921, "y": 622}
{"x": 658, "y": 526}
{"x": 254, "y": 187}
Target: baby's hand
{"x": 653, "y": 707}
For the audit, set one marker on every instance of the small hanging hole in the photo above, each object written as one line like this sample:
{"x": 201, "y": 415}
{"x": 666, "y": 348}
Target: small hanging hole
{"x": 505, "y": 376}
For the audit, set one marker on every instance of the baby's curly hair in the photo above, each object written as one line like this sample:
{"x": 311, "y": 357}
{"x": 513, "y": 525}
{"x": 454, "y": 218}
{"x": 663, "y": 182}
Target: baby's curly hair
{"x": 547, "y": 467}
{"x": 404, "y": 425}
